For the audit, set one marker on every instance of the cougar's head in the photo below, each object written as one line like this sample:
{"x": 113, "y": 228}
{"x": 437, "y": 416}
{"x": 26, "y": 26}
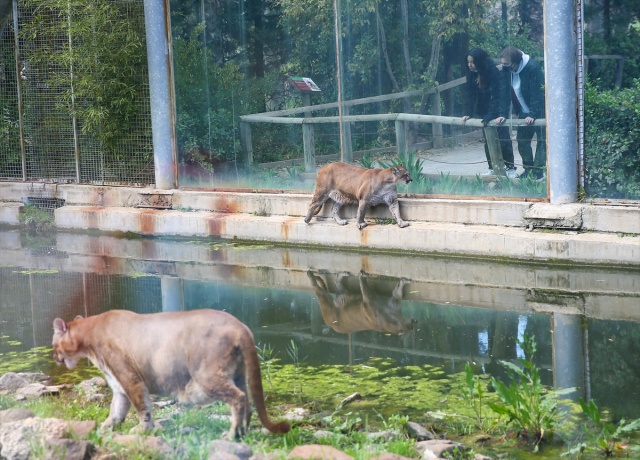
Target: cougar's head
{"x": 402, "y": 174}
{"x": 64, "y": 347}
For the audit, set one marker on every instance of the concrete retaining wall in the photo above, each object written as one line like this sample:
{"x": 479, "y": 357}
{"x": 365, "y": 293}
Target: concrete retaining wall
{"x": 582, "y": 233}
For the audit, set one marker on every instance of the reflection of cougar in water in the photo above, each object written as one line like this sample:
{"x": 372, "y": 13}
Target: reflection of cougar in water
{"x": 366, "y": 309}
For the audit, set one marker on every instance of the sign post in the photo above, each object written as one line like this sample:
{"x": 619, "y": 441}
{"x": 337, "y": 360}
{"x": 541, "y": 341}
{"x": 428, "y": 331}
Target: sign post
{"x": 306, "y": 86}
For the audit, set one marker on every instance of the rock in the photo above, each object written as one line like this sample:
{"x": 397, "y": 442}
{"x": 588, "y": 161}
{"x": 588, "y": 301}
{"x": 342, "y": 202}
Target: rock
{"x": 92, "y": 388}
{"x": 32, "y": 390}
{"x": 238, "y": 450}
{"x": 418, "y": 432}
{"x": 317, "y": 452}
{"x": 437, "y": 448}
{"x": 68, "y": 449}
{"x": 16, "y": 438}
{"x": 481, "y": 457}
{"x": 296, "y": 414}
{"x": 322, "y": 434}
{"x": 389, "y": 456}
{"x": 14, "y": 415}
{"x": 219, "y": 455}
{"x": 148, "y": 443}
{"x": 386, "y": 435}
{"x": 10, "y": 382}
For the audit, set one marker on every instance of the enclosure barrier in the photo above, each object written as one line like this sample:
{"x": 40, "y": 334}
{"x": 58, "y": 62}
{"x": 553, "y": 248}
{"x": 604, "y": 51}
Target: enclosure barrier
{"x": 400, "y": 119}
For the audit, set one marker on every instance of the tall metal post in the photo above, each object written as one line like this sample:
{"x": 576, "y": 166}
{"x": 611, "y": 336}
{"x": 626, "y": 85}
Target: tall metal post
{"x": 560, "y": 62}
{"x": 158, "y": 31}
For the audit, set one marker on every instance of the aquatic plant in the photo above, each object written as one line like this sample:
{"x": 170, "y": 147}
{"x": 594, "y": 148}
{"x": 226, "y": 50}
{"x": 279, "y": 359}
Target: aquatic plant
{"x": 604, "y": 436}
{"x": 294, "y": 354}
{"x": 525, "y": 401}
{"x": 474, "y": 395}
{"x": 267, "y": 356}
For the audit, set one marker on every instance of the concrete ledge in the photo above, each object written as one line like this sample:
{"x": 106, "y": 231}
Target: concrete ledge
{"x": 420, "y": 237}
{"x": 10, "y": 213}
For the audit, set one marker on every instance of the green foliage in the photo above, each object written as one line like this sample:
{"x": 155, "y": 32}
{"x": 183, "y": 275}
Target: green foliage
{"x": 474, "y": 395}
{"x": 207, "y": 102}
{"x": 366, "y": 161}
{"x": 525, "y": 401}
{"x": 36, "y": 218}
{"x": 91, "y": 57}
{"x": 604, "y": 437}
{"x": 612, "y": 142}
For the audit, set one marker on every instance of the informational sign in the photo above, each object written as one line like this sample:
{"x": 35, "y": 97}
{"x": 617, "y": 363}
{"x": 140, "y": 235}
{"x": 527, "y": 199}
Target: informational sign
{"x": 304, "y": 84}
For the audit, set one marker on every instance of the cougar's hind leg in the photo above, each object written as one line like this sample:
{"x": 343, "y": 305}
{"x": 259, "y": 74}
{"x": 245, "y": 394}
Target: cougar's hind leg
{"x": 314, "y": 208}
{"x": 335, "y": 212}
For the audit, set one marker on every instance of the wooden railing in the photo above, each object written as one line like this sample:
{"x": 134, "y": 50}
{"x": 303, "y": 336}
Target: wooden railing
{"x": 401, "y": 121}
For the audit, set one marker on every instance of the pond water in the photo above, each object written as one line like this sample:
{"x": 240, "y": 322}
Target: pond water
{"x": 345, "y": 308}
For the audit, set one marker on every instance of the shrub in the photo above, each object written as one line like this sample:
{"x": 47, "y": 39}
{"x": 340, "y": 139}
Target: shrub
{"x": 612, "y": 142}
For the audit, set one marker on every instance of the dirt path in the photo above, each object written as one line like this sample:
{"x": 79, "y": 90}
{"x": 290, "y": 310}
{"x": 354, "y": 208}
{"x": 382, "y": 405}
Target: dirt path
{"x": 467, "y": 159}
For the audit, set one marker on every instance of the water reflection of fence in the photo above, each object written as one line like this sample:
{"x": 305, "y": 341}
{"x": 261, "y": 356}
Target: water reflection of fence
{"x": 401, "y": 121}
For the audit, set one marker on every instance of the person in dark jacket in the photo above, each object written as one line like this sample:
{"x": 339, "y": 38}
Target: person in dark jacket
{"x": 485, "y": 96}
{"x": 527, "y": 94}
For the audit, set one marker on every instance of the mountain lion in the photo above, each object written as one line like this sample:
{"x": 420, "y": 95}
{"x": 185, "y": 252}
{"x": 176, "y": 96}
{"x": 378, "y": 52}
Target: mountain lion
{"x": 348, "y": 184}
{"x": 196, "y": 356}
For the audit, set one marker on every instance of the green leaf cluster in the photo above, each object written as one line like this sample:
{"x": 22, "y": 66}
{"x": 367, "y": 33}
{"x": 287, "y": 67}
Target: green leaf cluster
{"x": 603, "y": 436}
{"x": 612, "y": 142}
{"x": 525, "y": 401}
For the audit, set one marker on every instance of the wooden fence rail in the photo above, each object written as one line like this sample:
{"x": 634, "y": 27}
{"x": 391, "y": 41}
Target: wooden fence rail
{"x": 401, "y": 121}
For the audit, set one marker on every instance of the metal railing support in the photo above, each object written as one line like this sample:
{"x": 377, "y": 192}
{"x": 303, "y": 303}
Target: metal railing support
{"x": 158, "y": 33}
{"x": 561, "y": 97}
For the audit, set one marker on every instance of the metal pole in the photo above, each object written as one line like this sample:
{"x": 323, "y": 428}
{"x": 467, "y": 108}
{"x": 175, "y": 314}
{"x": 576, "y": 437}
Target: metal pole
{"x": 23, "y": 148}
{"x": 158, "y": 31}
{"x": 560, "y": 63}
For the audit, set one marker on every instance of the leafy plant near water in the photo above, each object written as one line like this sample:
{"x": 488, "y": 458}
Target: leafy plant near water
{"x": 267, "y": 356}
{"x": 474, "y": 395}
{"x": 525, "y": 401}
{"x": 604, "y": 436}
{"x": 37, "y": 219}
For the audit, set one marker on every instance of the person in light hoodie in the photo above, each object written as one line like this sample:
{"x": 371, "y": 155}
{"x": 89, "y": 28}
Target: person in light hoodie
{"x": 527, "y": 97}
{"x": 485, "y": 96}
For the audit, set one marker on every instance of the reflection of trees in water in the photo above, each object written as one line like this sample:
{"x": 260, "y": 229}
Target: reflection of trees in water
{"x": 614, "y": 368}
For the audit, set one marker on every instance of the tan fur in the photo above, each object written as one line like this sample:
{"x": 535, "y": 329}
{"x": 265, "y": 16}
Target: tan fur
{"x": 348, "y": 184}
{"x": 364, "y": 309}
{"x": 196, "y": 356}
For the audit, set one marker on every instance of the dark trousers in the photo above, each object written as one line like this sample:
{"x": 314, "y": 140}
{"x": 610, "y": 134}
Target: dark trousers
{"x": 506, "y": 147}
{"x": 538, "y": 164}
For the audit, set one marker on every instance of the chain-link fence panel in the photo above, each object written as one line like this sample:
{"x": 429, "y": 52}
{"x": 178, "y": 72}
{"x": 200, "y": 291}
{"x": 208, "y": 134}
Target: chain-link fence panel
{"x": 79, "y": 91}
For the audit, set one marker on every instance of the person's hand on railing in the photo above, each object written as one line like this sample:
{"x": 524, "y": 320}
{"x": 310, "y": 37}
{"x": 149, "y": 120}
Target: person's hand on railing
{"x": 465, "y": 118}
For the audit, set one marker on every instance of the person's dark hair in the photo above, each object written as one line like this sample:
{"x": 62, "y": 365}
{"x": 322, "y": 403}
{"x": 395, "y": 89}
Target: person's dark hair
{"x": 512, "y": 54}
{"x": 482, "y": 61}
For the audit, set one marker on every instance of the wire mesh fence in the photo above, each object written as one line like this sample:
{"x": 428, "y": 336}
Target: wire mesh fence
{"x": 73, "y": 109}
{"x": 32, "y": 298}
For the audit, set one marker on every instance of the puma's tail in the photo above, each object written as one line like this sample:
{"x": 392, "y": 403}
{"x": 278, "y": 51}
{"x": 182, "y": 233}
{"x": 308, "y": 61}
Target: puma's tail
{"x": 254, "y": 375}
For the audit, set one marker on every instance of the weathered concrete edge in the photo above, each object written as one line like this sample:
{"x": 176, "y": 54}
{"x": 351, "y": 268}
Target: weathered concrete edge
{"x": 420, "y": 237}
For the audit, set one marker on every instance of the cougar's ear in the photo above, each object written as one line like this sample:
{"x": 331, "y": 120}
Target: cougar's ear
{"x": 59, "y": 326}
{"x": 395, "y": 170}
{"x": 78, "y": 317}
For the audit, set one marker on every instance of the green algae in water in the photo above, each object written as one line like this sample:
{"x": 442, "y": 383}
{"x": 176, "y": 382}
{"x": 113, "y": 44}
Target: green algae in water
{"x": 40, "y": 359}
{"x": 386, "y": 389}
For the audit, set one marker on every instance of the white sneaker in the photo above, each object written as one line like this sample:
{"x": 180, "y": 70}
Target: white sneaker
{"x": 511, "y": 173}
{"x": 488, "y": 173}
